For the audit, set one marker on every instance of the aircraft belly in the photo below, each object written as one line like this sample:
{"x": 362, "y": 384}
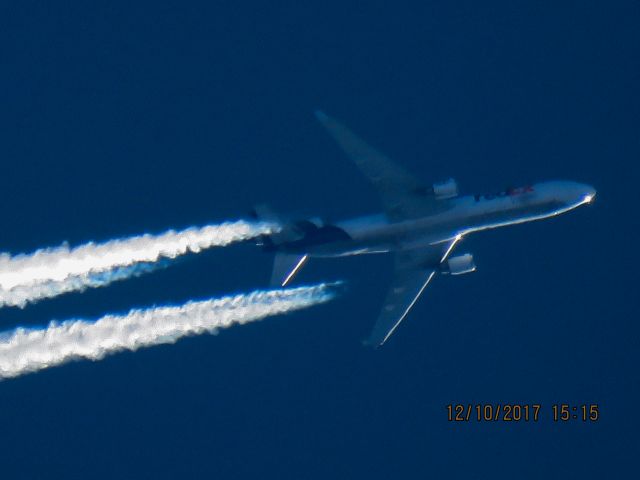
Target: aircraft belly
{"x": 383, "y": 241}
{"x": 344, "y": 249}
{"x": 376, "y": 234}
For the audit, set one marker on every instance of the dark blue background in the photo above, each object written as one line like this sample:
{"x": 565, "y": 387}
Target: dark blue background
{"x": 120, "y": 118}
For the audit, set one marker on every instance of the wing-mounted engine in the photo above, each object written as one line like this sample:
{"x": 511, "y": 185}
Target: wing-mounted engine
{"x": 458, "y": 265}
{"x": 446, "y": 189}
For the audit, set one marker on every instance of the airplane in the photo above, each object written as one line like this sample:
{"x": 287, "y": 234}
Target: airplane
{"x": 421, "y": 225}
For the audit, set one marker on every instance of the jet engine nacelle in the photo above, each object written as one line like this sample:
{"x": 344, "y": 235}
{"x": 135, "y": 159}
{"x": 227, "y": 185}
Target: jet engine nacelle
{"x": 446, "y": 189}
{"x": 461, "y": 264}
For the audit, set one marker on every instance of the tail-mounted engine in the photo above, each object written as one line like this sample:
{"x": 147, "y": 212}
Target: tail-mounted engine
{"x": 290, "y": 231}
{"x": 459, "y": 265}
{"x": 446, "y": 189}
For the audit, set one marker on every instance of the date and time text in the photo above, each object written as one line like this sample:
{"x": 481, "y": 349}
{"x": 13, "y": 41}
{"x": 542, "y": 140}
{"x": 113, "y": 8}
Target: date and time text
{"x": 514, "y": 412}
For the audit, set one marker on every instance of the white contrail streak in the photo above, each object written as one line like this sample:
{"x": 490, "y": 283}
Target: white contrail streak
{"x": 23, "y": 294}
{"x": 28, "y": 350}
{"x": 50, "y": 272}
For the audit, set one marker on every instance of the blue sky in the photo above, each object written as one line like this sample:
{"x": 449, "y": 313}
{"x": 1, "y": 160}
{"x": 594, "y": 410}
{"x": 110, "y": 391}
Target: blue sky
{"x": 120, "y": 119}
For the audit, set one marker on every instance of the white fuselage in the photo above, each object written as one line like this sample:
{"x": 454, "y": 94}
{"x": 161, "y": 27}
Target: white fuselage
{"x": 455, "y": 217}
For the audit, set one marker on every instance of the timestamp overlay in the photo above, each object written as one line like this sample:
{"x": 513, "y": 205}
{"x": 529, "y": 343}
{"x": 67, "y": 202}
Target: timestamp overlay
{"x": 522, "y": 412}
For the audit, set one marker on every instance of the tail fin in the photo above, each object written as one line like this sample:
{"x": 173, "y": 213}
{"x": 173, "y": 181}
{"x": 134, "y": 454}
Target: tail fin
{"x": 287, "y": 233}
{"x": 264, "y": 212}
{"x": 285, "y": 267}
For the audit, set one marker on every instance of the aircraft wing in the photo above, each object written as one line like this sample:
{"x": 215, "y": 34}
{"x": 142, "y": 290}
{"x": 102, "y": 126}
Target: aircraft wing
{"x": 414, "y": 270}
{"x": 403, "y": 196}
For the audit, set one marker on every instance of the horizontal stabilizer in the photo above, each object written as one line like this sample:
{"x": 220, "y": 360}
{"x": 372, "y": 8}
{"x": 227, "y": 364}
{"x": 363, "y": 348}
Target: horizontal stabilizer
{"x": 285, "y": 267}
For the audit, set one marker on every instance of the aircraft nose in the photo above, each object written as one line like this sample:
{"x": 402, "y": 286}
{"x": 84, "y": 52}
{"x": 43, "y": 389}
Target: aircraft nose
{"x": 573, "y": 193}
{"x": 589, "y": 194}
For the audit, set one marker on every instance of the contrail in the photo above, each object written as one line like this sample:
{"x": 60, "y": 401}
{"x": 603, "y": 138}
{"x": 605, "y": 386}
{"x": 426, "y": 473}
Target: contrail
{"x": 23, "y": 294}
{"x": 28, "y": 350}
{"x": 50, "y": 272}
